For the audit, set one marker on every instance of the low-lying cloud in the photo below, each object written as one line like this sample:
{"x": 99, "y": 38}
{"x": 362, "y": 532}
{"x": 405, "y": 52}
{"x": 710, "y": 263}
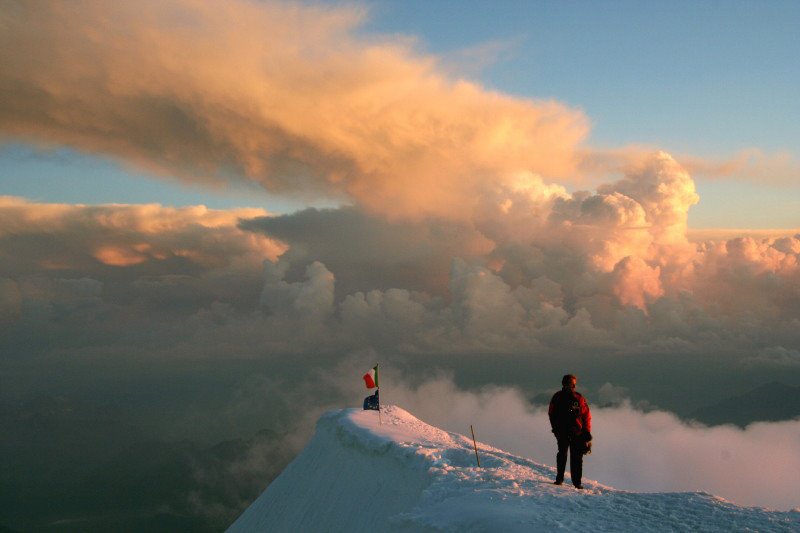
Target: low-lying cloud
{"x": 632, "y": 450}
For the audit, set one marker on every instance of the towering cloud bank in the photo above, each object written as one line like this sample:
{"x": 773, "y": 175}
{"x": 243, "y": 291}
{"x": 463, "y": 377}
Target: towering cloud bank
{"x": 544, "y": 271}
{"x": 459, "y": 236}
{"x": 611, "y": 270}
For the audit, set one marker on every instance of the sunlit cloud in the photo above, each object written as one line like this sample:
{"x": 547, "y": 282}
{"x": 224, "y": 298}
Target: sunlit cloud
{"x": 726, "y": 234}
{"x": 611, "y": 270}
{"x": 753, "y": 165}
{"x": 125, "y": 235}
{"x": 285, "y": 95}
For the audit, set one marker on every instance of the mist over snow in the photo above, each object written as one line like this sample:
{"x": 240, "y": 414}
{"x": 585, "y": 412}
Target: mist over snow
{"x": 398, "y": 473}
{"x": 642, "y": 451}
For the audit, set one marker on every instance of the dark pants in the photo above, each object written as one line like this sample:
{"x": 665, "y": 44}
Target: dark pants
{"x": 575, "y": 445}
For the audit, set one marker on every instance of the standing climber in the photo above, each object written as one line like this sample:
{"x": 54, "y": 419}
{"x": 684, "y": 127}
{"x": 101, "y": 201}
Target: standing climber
{"x": 571, "y": 423}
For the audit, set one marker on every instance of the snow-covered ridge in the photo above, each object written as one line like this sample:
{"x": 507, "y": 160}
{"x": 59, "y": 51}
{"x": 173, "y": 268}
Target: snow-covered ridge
{"x": 357, "y": 474}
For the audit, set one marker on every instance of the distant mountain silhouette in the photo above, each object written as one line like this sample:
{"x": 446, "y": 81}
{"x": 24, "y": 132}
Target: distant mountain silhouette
{"x": 543, "y": 398}
{"x": 770, "y": 402}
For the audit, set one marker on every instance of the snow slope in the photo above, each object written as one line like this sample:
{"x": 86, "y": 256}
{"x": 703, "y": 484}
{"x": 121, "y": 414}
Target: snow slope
{"x": 405, "y": 475}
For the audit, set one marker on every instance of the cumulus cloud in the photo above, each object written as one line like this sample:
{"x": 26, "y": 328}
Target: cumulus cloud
{"x": 543, "y": 269}
{"x": 69, "y": 238}
{"x": 539, "y": 271}
{"x": 458, "y": 231}
{"x": 312, "y": 299}
{"x": 779, "y": 169}
{"x": 65, "y": 266}
{"x": 368, "y": 252}
{"x": 285, "y": 95}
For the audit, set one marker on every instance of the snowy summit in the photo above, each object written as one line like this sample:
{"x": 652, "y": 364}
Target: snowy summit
{"x": 357, "y": 474}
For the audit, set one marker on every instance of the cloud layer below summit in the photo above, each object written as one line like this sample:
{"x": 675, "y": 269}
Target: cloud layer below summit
{"x": 456, "y": 234}
{"x": 610, "y": 271}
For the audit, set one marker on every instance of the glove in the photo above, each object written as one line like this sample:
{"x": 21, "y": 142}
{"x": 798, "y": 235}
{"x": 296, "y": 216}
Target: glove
{"x": 587, "y": 437}
{"x": 587, "y": 447}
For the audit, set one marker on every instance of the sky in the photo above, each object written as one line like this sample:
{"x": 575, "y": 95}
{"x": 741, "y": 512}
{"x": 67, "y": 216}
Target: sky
{"x": 213, "y": 216}
{"x": 712, "y": 81}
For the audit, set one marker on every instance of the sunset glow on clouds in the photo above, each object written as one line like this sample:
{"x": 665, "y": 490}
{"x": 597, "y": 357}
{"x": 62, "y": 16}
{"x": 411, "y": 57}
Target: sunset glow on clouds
{"x": 281, "y": 94}
{"x": 593, "y": 273}
{"x": 460, "y": 234}
{"x": 466, "y": 222}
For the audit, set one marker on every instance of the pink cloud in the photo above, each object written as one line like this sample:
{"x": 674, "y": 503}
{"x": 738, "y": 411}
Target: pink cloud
{"x": 284, "y": 95}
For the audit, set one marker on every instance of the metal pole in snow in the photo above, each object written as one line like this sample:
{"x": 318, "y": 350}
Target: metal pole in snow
{"x": 378, "y": 394}
{"x": 475, "y": 446}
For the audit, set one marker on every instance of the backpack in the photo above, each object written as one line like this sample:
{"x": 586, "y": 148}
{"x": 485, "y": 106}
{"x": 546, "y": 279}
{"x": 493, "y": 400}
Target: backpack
{"x": 567, "y": 411}
{"x": 372, "y": 402}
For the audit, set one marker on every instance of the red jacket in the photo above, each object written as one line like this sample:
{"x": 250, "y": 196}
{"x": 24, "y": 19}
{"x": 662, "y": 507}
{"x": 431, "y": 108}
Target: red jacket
{"x": 569, "y": 413}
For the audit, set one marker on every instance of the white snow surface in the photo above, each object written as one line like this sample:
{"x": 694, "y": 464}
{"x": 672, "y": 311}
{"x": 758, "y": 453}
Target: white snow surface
{"x": 358, "y": 474}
